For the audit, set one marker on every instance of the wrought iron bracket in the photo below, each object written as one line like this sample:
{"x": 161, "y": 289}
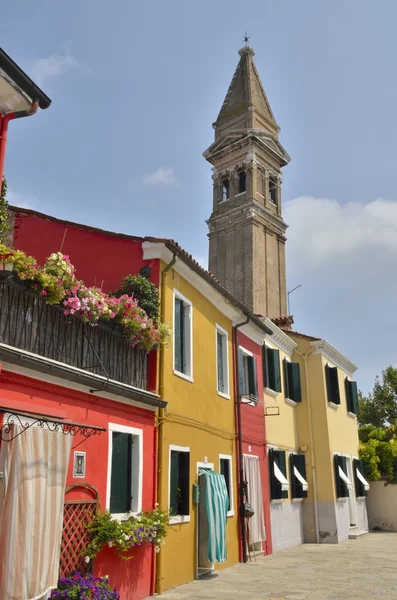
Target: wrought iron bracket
{"x": 65, "y": 427}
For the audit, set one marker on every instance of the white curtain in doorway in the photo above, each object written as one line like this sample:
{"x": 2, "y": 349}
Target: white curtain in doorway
{"x": 252, "y": 476}
{"x": 31, "y": 517}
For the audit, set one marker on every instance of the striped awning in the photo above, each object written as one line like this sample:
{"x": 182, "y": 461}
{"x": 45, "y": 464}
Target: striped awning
{"x": 217, "y": 502}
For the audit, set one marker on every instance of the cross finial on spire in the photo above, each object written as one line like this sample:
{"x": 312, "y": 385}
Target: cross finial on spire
{"x": 246, "y": 38}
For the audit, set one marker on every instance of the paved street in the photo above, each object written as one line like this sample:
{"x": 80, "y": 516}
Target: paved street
{"x": 365, "y": 568}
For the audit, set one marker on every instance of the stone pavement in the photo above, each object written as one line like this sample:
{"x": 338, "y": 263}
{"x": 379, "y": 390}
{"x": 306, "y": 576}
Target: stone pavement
{"x": 365, "y": 568}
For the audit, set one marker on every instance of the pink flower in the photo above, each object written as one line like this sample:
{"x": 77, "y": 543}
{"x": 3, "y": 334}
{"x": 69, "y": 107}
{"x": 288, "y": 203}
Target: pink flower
{"x": 44, "y": 293}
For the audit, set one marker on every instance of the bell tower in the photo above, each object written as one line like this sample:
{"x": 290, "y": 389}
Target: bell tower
{"x": 246, "y": 228}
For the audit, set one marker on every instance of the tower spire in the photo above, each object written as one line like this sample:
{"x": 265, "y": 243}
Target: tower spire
{"x": 246, "y": 228}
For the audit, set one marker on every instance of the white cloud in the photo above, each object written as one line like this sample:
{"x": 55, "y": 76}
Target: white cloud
{"x": 53, "y": 66}
{"x": 164, "y": 176}
{"x": 323, "y": 230}
{"x": 23, "y": 201}
{"x": 345, "y": 257}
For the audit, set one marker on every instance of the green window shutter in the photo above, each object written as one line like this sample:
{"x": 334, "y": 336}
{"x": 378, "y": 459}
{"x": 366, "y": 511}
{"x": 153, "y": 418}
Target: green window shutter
{"x": 225, "y": 471}
{"x": 354, "y": 396}
{"x": 184, "y": 483}
{"x": 174, "y": 483}
{"x": 220, "y": 351}
{"x": 358, "y": 485}
{"x": 241, "y": 377}
{"x": 348, "y": 395}
{"x": 275, "y": 486}
{"x": 179, "y": 335}
{"x": 331, "y": 374}
{"x": 273, "y": 363}
{"x": 298, "y": 461}
{"x": 286, "y": 383}
{"x": 341, "y": 487}
{"x": 120, "y": 482}
{"x": 294, "y": 382}
{"x": 252, "y": 376}
{"x": 265, "y": 370}
{"x": 282, "y": 465}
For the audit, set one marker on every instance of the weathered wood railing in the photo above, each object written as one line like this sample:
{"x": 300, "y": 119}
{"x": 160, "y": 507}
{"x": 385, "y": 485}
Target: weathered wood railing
{"x": 28, "y": 323}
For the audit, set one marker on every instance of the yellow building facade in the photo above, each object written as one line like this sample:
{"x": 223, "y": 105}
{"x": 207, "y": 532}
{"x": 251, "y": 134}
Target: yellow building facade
{"x": 197, "y": 431}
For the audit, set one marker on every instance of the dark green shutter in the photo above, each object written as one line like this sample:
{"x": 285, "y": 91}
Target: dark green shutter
{"x": 252, "y": 377}
{"x": 331, "y": 375}
{"x": 241, "y": 377}
{"x": 354, "y": 396}
{"x": 265, "y": 368}
{"x": 275, "y": 486}
{"x": 341, "y": 487}
{"x": 174, "y": 483}
{"x": 359, "y": 486}
{"x": 273, "y": 364}
{"x": 184, "y": 483}
{"x": 294, "y": 382}
{"x": 286, "y": 385}
{"x": 297, "y": 461}
{"x": 220, "y": 350}
{"x": 225, "y": 471}
{"x": 120, "y": 483}
{"x": 179, "y": 336}
{"x": 282, "y": 465}
{"x": 348, "y": 395}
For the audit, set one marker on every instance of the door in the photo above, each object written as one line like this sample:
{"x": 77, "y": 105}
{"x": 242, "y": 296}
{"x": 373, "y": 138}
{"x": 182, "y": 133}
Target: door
{"x": 352, "y": 497}
{"x": 203, "y": 565}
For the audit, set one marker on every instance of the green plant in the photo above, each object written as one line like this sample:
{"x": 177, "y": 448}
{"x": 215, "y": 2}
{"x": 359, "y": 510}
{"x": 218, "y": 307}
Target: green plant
{"x": 149, "y": 527}
{"x": 84, "y": 587}
{"x": 144, "y": 290}
{"x": 378, "y": 450}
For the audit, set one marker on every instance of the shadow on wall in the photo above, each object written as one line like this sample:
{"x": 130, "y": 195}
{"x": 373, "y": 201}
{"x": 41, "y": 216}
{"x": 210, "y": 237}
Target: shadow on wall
{"x": 382, "y": 506}
{"x": 132, "y": 577}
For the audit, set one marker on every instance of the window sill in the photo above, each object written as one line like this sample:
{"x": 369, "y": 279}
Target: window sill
{"x": 230, "y": 513}
{"x": 271, "y": 392}
{"x": 342, "y": 499}
{"x": 260, "y": 195}
{"x": 277, "y": 500}
{"x": 226, "y": 396}
{"x": 124, "y": 516}
{"x": 240, "y": 194}
{"x": 178, "y": 519}
{"x": 290, "y": 402}
{"x": 352, "y": 415}
{"x": 223, "y": 201}
{"x": 297, "y": 500}
{"x": 183, "y": 376}
{"x": 333, "y": 405}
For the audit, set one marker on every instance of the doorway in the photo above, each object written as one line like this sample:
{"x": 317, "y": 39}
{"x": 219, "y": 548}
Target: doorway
{"x": 351, "y": 497}
{"x": 203, "y": 566}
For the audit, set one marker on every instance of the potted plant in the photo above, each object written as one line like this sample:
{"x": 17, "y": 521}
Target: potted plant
{"x": 81, "y": 587}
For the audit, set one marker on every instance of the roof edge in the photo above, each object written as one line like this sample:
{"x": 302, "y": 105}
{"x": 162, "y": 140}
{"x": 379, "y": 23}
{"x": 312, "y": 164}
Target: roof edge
{"x": 22, "y": 80}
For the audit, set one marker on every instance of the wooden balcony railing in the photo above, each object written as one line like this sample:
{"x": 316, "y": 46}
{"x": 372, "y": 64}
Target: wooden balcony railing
{"x": 28, "y": 323}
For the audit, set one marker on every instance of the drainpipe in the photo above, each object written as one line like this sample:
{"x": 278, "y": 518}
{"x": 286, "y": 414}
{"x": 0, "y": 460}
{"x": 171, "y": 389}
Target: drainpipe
{"x": 157, "y": 577}
{"x": 4, "y": 120}
{"x": 239, "y": 439}
{"x": 315, "y": 500}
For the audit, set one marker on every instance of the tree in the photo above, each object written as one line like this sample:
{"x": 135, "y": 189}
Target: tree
{"x": 379, "y": 408}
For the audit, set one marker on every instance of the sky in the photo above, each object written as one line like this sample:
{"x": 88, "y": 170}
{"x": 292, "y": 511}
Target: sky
{"x": 136, "y": 87}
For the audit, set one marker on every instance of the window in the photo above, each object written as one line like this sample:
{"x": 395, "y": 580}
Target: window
{"x": 225, "y": 469}
{"x": 124, "y": 491}
{"x": 297, "y": 469}
{"x": 242, "y": 182}
{"x": 292, "y": 381}
{"x": 271, "y": 368}
{"x": 273, "y": 189}
{"x": 342, "y": 481}
{"x": 351, "y": 396}
{"x": 279, "y": 484}
{"x": 179, "y": 483}
{"x": 331, "y": 378}
{"x": 248, "y": 384}
{"x": 361, "y": 484}
{"x": 182, "y": 336}
{"x": 225, "y": 190}
{"x": 222, "y": 361}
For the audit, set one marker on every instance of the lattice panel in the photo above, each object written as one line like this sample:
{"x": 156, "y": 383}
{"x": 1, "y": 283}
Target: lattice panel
{"x": 74, "y": 537}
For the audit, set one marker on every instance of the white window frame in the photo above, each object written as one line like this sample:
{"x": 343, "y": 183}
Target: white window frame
{"x": 332, "y": 404}
{"x": 176, "y": 518}
{"x": 136, "y": 467}
{"x": 228, "y": 457}
{"x": 246, "y": 352}
{"x": 350, "y": 414}
{"x": 286, "y": 398}
{"x": 189, "y": 342}
{"x": 225, "y": 360}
